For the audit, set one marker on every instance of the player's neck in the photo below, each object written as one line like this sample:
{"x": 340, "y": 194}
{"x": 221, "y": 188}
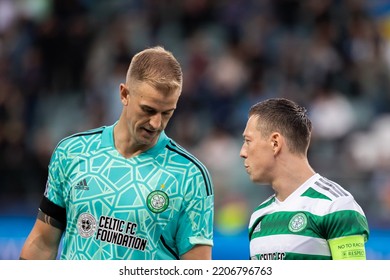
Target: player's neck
{"x": 291, "y": 177}
{"x": 125, "y": 144}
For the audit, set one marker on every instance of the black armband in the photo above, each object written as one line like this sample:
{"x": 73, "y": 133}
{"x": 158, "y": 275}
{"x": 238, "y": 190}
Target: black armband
{"x": 52, "y": 214}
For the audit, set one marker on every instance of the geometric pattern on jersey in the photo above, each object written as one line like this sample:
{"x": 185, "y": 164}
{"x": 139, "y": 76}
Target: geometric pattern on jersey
{"x": 156, "y": 205}
{"x": 300, "y": 226}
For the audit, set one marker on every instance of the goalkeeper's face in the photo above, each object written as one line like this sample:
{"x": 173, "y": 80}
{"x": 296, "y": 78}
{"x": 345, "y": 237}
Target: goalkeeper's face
{"x": 148, "y": 112}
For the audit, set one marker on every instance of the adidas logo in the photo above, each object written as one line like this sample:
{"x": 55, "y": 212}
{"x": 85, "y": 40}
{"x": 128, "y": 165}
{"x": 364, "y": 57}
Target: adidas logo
{"x": 257, "y": 228}
{"x": 82, "y": 185}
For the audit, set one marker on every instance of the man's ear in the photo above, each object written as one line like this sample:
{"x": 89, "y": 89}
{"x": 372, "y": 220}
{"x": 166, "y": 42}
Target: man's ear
{"x": 123, "y": 92}
{"x": 276, "y": 142}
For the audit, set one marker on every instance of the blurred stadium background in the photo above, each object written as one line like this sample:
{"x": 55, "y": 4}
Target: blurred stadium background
{"x": 61, "y": 63}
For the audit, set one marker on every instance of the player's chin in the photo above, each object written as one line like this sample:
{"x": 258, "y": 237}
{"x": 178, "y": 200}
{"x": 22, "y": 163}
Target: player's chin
{"x": 149, "y": 134}
{"x": 148, "y": 138}
{"x": 259, "y": 181}
{"x": 255, "y": 178}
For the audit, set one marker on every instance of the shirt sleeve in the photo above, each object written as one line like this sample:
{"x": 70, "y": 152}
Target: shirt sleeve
{"x": 195, "y": 225}
{"x": 54, "y": 191}
{"x": 348, "y": 248}
{"x": 346, "y": 229}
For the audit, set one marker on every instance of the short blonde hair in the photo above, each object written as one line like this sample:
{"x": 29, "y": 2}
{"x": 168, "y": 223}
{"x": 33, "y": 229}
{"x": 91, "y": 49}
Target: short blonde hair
{"x": 157, "y": 67}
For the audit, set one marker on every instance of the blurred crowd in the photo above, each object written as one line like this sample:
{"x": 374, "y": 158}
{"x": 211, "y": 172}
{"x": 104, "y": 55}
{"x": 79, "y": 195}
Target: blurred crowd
{"x": 61, "y": 63}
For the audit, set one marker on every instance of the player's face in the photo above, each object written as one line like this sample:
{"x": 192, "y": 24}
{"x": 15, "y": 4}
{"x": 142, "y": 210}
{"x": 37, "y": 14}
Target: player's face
{"x": 257, "y": 153}
{"x": 148, "y": 112}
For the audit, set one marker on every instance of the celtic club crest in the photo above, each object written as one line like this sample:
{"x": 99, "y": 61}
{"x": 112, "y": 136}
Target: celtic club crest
{"x": 298, "y": 222}
{"x": 157, "y": 201}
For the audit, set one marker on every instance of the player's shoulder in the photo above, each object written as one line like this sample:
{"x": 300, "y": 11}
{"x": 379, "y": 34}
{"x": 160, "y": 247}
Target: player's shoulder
{"x": 328, "y": 196}
{"x": 327, "y": 189}
{"x": 80, "y": 139}
{"x": 267, "y": 202}
{"x": 183, "y": 155}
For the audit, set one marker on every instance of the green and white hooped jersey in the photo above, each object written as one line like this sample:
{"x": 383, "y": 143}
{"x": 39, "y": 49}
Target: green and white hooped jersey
{"x": 301, "y": 226}
{"x": 157, "y": 205}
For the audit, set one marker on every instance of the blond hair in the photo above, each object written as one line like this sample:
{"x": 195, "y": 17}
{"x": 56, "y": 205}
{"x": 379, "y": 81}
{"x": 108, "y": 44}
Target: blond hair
{"x": 157, "y": 67}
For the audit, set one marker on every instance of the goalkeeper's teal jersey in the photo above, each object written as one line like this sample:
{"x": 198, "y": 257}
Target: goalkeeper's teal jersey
{"x": 156, "y": 205}
{"x": 301, "y": 226}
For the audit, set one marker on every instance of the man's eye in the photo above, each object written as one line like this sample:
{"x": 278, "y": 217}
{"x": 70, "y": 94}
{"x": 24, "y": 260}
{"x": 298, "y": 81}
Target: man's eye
{"x": 149, "y": 111}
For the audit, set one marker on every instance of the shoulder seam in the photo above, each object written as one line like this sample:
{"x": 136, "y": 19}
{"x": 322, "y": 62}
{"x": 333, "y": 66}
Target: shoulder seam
{"x": 84, "y": 133}
{"x": 179, "y": 150}
{"x": 331, "y": 187}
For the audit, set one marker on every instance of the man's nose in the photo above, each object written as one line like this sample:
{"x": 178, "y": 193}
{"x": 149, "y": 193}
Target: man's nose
{"x": 243, "y": 153}
{"x": 155, "y": 121}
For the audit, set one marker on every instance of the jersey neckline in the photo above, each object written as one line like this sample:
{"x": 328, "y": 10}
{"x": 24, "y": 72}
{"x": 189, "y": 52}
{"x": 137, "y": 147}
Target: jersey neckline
{"x": 108, "y": 141}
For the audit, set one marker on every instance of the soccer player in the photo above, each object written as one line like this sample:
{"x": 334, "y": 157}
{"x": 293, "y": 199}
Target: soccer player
{"x": 128, "y": 191}
{"x": 309, "y": 216}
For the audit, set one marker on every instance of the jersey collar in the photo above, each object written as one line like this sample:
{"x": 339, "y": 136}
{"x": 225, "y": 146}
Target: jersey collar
{"x": 108, "y": 140}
